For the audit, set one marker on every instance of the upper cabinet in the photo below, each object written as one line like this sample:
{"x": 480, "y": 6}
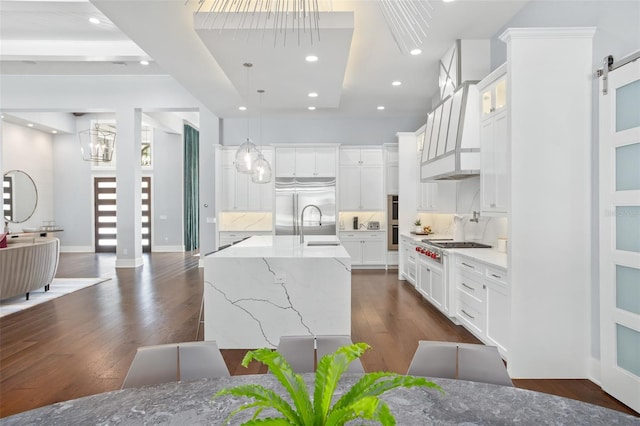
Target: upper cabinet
{"x": 239, "y": 193}
{"x": 392, "y": 168}
{"x": 361, "y": 179}
{"x": 306, "y": 162}
{"x": 494, "y": 142}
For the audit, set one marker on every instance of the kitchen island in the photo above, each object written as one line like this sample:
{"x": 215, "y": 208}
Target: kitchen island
{"x": 269, "y": 286}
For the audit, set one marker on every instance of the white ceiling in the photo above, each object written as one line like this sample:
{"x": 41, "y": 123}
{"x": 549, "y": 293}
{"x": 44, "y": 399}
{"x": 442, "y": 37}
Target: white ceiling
{"x": 358, "y": 57}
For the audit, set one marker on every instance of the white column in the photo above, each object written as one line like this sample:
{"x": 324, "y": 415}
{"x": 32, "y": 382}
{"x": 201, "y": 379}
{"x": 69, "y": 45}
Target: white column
{"x": 549, "y": 78}
{"x": 128, "y": 187}
{"x": 209, "y": 139}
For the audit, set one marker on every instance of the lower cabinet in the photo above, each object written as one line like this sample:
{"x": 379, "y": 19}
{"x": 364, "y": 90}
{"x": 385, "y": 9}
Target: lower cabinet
{"x": 366, "y": 248}
{"x": 407, "y": 261}
{"x": 432, "y": 286}
{"x": 482, "y": 301}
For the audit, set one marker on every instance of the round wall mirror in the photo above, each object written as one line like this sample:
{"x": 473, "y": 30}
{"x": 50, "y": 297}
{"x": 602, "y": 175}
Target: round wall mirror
{"x": 19, "y": 196}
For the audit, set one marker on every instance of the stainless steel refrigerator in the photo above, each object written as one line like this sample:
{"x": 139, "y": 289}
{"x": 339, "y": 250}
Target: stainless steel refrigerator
{"x": 294, "y": 194}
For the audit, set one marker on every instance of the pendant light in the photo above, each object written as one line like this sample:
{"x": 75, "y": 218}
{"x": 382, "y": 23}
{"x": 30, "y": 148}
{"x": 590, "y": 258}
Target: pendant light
{"x": 247, "y": 153}
{"x": 261, "y": 167}
{"x": 98, "y": 143}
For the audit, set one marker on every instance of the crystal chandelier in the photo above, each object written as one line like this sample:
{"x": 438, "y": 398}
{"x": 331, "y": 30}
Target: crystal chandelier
{"x": 97, "y": 143}
{"x": 408, "y": 22}
{"x": 299, "y": 16}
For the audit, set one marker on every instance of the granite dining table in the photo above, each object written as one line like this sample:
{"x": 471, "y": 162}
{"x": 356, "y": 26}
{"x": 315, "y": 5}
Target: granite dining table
{"x": 189, "y": 403}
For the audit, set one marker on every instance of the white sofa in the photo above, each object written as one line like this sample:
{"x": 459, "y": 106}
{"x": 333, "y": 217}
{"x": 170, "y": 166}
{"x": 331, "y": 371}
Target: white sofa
{"x": 27, "y": 264}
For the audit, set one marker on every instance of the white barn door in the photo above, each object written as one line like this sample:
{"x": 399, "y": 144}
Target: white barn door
{"x": 620, "y": 233}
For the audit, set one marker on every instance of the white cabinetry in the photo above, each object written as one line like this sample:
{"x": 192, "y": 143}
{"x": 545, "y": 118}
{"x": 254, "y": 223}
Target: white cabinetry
{"x": 408, "y": 267}
{"x": 431, "y": 284}
{"x": 239, "y": 193}
{"x": 497, "y": 331}
{"x": 482, "y": 295}
{"x": 365, "y": 247}
{"x": 392, "y": 168}
{"x": 361, "y": 179}
{"x": 306, "y": 162}
{"x": 437, "y": 197}
{"x": 494, "y": 142}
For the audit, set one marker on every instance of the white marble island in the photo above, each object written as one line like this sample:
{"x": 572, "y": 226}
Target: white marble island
{"x": 269, "y": 286}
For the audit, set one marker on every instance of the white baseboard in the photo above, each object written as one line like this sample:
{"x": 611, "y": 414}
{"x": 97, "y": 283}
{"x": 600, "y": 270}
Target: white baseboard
{"x": 77, "y": 249}
{"x": 167, "y": 249}
{"x": 129, "y": 263}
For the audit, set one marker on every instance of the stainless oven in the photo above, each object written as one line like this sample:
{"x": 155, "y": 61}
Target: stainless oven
{"x": 393, "y": 230}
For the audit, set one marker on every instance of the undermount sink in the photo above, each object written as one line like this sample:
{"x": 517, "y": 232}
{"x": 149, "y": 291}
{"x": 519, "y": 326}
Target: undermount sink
{"x": 323, "y": 243}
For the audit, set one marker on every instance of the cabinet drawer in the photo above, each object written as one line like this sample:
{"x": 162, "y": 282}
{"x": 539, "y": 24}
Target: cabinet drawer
{"x": 470, "y": 266}
{"x": 470, "y": 316}
{"x": 472, "y": 301}
{"x": 497, "y": 275}
{"x": 470, "y": 285}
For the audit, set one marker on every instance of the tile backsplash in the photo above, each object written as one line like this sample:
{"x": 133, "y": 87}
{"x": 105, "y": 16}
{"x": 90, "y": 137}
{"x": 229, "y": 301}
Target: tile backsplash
{"x": 487, "y": 230}
{"x": 345, "y": 221}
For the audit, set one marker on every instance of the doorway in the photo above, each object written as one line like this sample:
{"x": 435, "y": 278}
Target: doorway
{"x": 105, "y": 219}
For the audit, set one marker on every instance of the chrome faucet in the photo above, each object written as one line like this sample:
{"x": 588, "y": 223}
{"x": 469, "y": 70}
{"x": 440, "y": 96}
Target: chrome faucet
{"x": 476, "y": 217}
{"x": 302, "y": 220}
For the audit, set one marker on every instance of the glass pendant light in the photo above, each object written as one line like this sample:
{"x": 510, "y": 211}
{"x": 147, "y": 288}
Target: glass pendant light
{"x": 261, "y": 171}
{"x": 247, "y": 153}
{"x": 261, "y": 168}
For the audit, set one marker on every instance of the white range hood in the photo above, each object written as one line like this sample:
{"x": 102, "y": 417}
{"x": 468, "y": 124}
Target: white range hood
{"x": 451, "y": 148}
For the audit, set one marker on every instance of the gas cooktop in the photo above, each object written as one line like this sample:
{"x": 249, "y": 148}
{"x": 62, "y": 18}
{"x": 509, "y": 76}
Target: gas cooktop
{"x": 455, "y": 244}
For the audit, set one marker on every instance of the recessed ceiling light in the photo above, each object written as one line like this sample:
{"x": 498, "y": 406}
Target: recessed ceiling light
{"x": 311, "y": 58}
{"x": 1, "y": 116}
{"x": 54, "y": 131}
{"x": 313, "y": 95}
{"x": 94, "y": 21}
{"x": 380, "y": 107}
{"x": 29, "y": 125}
{"x": 415, "y": 51}
{"x": 311, "y": 108}
{"x": 396, "y": 83}
{"x": 144, "y": 62}
{"x": 242, "y": 108}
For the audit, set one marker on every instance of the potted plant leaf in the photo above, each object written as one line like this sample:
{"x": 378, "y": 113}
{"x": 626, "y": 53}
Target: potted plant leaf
{"x": 418, "y": 226}
{"x": 359, "y": 402}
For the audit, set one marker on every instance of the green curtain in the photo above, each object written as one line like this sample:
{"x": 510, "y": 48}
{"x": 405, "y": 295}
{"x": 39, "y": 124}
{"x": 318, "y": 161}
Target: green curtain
{"x": 191, "y": 194}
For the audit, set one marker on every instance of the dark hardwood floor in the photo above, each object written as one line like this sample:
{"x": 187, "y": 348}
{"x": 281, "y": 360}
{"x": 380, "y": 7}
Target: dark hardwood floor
{"x": 83, "y": 343}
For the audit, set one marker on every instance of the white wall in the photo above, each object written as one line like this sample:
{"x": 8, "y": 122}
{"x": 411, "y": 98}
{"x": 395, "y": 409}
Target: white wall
{"x": 347, "y": 131}
{"x": 29, "y": 150}
{"x": 617, "y": 34}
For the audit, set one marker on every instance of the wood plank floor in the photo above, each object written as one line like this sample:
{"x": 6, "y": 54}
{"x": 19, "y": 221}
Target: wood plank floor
{"x": 82, "y": 344}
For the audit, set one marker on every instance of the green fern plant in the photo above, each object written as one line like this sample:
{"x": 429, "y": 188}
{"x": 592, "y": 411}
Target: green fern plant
{"x": 361, "y": 401}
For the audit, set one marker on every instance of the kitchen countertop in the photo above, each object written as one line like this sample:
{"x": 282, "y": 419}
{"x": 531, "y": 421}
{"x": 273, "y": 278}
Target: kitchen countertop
{"x": 270, "y": 246}
{"x": 463, "y": 402}
{"x": 490, "y": 256}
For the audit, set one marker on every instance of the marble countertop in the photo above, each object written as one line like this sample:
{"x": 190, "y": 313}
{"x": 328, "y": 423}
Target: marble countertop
{"x": 490, "y": 256}
{"x": 270, "y": 246}
{"x": 464, "y": 402}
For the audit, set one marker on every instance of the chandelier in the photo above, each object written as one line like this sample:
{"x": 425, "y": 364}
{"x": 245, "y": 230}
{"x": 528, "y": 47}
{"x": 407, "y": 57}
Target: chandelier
{"x": 408, "y": 21}
{"x": 97, "y": 143}
{"x": 299, "y": 16}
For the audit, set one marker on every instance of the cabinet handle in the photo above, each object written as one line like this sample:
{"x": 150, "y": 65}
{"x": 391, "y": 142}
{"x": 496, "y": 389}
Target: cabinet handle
{"x": 468, "y": 266}
{"x": 492, "y": 109}
{"x": 484, "y": 287}
{"x": 470, "y": 288}
{"x": 496, "y": 276}
{"x": 467, "y": 314}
